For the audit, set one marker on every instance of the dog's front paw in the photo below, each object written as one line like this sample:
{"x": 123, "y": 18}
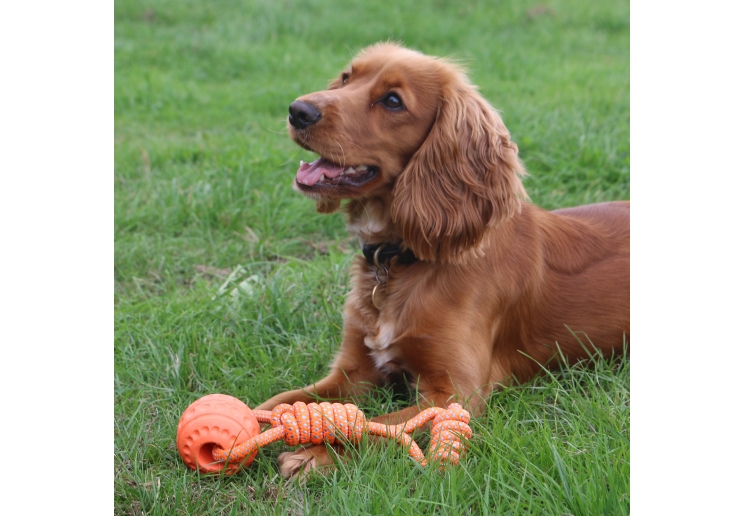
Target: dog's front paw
{"x": 300, "y": 462}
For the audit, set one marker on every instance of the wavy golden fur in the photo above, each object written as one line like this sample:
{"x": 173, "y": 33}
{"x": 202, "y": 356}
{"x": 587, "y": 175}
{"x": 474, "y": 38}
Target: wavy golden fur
{"x": 498, "y": 284}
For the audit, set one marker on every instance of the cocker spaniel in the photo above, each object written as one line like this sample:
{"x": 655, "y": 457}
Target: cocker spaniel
{"x": 463, "y": 285}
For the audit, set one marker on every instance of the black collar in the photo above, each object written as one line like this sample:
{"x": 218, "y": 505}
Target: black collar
{"x": 386, "y": 253}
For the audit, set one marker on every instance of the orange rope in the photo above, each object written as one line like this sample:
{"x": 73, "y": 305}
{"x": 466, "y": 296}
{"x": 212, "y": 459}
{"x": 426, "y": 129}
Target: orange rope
{"x": 331, "y": 422}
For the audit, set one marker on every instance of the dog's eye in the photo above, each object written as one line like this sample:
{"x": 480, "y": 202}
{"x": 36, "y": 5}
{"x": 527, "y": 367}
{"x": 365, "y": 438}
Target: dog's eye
{"x": 344, "y": 78}
{"x": 392, "y": 101}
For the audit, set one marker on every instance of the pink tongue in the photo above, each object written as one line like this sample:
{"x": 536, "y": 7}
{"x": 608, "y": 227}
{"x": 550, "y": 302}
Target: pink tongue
{"x": 309, "y": 173}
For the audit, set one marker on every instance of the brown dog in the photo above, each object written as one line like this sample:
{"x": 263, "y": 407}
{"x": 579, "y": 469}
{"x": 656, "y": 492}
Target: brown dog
{"x": 464, "y": 285}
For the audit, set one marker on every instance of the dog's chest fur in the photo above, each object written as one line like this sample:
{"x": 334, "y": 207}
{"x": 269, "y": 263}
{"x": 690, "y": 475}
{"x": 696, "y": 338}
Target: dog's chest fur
{"x": 370, "y": 221}
{"x": 382, "y": 350}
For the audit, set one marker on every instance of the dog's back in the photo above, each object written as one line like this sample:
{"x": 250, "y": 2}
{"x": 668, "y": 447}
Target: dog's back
{"x": 581, "y": 303}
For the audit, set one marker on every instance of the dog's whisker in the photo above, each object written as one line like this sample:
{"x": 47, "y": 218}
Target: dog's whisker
{"x": 343, "y": 154}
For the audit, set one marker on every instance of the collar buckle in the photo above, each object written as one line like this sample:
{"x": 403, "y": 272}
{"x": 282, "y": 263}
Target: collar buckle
{"x": 380, "y": 256}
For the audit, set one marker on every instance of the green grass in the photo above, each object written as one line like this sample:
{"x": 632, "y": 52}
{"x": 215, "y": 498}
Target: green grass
{"x": 203, "y": 172}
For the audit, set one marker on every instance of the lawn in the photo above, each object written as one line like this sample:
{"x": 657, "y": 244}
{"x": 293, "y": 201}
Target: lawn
{"x": 228, "y": 281}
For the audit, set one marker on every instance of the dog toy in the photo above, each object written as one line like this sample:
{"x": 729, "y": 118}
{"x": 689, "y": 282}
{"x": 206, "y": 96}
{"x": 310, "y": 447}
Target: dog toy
{"x": 219, "y": 433}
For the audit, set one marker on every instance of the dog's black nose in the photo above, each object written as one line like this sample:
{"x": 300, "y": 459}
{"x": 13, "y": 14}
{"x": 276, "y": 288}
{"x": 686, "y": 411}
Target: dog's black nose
{"x": 302, "y": 114}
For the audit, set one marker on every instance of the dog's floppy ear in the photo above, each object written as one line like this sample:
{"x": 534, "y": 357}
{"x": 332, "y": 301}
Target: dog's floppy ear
{"x": 463, "y": 179}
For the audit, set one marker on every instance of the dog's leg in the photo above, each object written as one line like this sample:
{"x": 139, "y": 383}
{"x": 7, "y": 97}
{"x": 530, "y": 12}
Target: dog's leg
{"x": 353, "y": 373}
{"x": 303, "y": 460}
{"x": 472, "y": 397}
{"x": 340, "y": 385}
{"x": 440, "y": 379}
{"x": 467, "y": 382}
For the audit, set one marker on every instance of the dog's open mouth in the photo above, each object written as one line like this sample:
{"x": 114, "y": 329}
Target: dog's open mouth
{"x": 322, "y": 172}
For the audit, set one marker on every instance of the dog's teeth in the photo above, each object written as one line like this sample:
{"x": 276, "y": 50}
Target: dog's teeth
{"x": 349, "y": 170}
{"x": 322, "y": 178}
{"x": 302, "y": 162}
{"x": 361, "y": 168}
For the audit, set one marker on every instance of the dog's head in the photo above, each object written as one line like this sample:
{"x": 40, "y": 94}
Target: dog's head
{"x": 411, "y": 130}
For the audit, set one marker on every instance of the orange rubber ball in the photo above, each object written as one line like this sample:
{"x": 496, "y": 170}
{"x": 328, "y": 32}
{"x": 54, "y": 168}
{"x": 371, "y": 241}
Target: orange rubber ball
{"x": 216, "y": 420}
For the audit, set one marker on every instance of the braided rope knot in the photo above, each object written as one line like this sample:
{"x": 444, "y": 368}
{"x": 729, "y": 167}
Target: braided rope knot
{"x": 448, "y": 430}
{"x": 318, "y": 423}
